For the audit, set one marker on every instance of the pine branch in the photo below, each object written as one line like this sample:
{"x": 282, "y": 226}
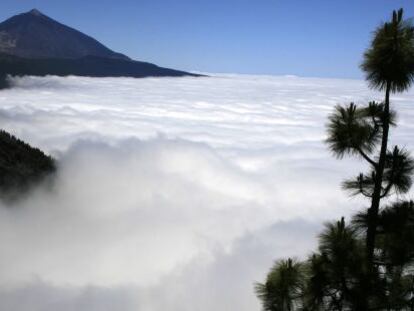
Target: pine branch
{"x": 367, "y": 158}
{"x": 386, "y": 190}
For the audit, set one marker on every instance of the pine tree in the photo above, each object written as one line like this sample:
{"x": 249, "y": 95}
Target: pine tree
{"x": 368, "y": 264}
{"x": 389, "y": 66}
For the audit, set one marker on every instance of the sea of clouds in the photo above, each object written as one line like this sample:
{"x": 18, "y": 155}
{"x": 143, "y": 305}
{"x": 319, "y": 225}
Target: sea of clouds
{"x": 172, "y": 193}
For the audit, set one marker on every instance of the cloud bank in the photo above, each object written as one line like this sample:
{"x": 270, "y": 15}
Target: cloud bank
{"x": 172, "y": 193}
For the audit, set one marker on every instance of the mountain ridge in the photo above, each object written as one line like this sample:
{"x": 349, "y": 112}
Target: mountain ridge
{"x": 36, "y": 35}
{"x": 88, "y": 66}
{"x": 32, "y": 43}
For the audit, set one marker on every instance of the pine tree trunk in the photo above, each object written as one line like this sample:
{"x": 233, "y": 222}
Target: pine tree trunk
{"x": 376, "y": 198}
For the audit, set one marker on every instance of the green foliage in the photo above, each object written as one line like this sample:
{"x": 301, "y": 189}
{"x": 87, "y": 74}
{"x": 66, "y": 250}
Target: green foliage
{"x": 350, "y": 131}
{"x": 341, "y": 255}
{"x": 357, "y": 131}
{"x": 335, "y": 278}
{"x": 283, "y": 288}
{"x": 21, "y": 166}
{"x": 390, "y": 59}
{"x": 396, "y": 235}
{"x": 363, "y": 184}
{"x": 399, "y": 167}
{"x": 394, "y": 254}
{"x": 397, "y": 176}
{"x": 369, "y": 264}
{"x": 354, "y": 130}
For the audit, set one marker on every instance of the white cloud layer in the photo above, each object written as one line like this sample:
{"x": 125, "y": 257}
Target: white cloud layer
{"x": 172, "y": 193}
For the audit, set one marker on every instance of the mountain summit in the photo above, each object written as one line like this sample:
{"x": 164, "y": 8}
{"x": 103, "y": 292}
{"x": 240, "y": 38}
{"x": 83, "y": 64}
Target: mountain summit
{"x": 32, "y": 43}
{"x": 35, "y": 35}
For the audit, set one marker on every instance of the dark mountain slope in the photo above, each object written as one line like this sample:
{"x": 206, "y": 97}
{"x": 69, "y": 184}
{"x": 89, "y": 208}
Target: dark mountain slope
{"x": 34, "y": 44}
{"x": 34, "y": 35}
{"x": 91, "y": 66}
{"x": 21, "y": 166}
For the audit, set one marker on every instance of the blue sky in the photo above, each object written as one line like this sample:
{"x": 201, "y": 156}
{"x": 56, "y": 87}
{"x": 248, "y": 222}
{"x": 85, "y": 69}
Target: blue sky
{"x": 303, "y": 37}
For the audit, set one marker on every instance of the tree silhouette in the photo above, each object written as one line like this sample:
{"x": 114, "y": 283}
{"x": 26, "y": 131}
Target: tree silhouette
{"x": 283, "y": 288}
{"x": 369, "y": 263}
{"x": 389, "y": 66}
